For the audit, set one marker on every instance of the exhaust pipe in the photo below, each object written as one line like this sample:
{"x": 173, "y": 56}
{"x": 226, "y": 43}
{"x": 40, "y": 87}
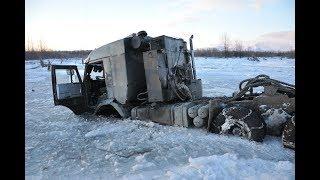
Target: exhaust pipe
{"x": 192, "y": 58}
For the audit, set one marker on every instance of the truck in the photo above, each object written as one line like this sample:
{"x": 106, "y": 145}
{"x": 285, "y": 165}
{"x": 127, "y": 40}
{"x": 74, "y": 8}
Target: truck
{"x": 154, "y": 79}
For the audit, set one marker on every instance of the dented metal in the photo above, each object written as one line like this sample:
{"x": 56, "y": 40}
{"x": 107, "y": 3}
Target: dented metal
{"x": 155, "y": 79}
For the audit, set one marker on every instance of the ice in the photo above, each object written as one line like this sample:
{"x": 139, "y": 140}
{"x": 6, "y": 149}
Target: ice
{"x": 142, "y": 163}
{"x": 61, "y": 145}
{"x": 229, "y": 166}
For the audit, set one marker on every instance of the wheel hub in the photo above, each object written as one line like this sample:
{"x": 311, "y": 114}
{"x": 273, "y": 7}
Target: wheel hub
{"x": 237, "y": 131}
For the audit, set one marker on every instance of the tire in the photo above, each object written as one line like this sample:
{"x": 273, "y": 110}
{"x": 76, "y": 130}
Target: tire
{"x": 240, "y": 121}
{"x": 288, "y": 135}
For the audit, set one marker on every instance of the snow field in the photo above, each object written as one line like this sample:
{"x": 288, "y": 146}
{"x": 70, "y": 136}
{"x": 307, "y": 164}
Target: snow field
{"x": 62, "y": 145}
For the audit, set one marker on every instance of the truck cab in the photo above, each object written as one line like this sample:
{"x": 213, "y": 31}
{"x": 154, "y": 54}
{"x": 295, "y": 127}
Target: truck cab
{"x": 126, "y": 73}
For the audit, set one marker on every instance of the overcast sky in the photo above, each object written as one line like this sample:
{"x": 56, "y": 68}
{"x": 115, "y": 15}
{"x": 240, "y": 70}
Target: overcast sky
{"x": 88, "y": 24}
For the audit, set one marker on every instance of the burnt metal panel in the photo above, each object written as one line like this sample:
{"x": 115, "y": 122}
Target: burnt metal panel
{"x": 170, "y": 114}
{"x": 124, "y": 111}
{"x": 124, "y": 71}
{"x": 174, "y": 53}
{"x": 119, "y": 78}
{"x": 135, "y": 72}
{"x": 156, "y": 73}
{"x": 151, "y": 65}
{"x": 171, "y": 46}
{"x": 163, "y": 114}
{"x": 112, "y": 49}
{"x": 276, "y": 101}
{"x": 108, "y": 76}
{"x": 195, "y": 87}
{"x": 166, "y": 52}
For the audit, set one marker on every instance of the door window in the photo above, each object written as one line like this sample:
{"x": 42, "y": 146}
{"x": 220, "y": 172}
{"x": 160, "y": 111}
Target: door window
{"x": 67, "y": 83}
{"x": 64, "y": 76}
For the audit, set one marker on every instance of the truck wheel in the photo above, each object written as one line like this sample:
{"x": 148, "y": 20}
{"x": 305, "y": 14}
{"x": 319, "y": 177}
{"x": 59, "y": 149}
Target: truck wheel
{"x": 240, "y": 121}
{"x": 288, "y": 135}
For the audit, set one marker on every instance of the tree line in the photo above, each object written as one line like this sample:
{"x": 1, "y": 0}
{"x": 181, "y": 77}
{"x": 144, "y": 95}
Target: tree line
{"x": 38, "y": 55}
{"x": 40, "y": 51}
{"x": 213, "y": 52}
{"x": 237, "y": 49}
{"x": 207, "y": 52}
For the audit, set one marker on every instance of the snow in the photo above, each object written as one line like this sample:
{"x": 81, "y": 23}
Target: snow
{"x": 61, "y": 145}
{"x": 222, "y": 76}
{"x": 274, "y": 117}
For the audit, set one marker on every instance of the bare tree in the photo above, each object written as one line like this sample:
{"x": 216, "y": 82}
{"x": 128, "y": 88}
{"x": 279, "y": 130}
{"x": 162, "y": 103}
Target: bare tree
{"x": 226, "y": 44}
{"x": 30, "y": 45}
{"x": 27, "y": 48}
{"x": 42, "y": 49}
{"x": 238, "y": 45}
{"x": 238, "y": 48}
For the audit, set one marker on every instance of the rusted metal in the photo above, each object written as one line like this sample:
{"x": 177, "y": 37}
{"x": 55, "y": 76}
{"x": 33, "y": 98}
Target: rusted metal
{"x": 155, "y": 79}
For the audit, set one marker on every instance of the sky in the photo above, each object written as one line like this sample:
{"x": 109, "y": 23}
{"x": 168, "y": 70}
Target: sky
{"x": 88, "y": 24}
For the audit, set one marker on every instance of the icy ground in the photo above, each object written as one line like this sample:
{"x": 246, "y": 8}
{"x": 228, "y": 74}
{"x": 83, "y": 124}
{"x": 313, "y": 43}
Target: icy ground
{"x": 60, "y": 144}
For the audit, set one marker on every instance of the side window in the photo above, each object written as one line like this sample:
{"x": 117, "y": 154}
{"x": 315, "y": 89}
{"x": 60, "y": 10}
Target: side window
{"x": 65, "y": 76}
{"x": 97, "y": 72}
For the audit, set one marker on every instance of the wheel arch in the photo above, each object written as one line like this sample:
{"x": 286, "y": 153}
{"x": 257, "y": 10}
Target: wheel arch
{"x": 109, "y": 107}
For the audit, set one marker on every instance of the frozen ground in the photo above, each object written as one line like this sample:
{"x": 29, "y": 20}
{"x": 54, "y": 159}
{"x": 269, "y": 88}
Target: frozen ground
{"x": 60, "y": 144}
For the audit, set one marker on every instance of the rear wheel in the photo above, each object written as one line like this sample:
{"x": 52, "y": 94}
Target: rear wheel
{"x": 240, "y": 121}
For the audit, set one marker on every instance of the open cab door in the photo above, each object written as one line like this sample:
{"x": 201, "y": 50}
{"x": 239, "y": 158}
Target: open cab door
{"x": 68, "y": 89}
